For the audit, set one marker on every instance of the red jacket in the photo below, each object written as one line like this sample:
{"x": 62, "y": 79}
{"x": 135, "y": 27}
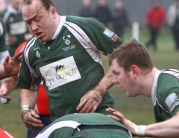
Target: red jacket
{"x": 4, "y": 134}
{"x": 156, "y": 17}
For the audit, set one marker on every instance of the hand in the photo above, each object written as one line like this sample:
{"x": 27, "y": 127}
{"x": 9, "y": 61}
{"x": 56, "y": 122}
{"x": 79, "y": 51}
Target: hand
{"x": 11, "y": 65}
{"x": 90, "y": 101}
{"x": 31, "y": 119}
{"x": 7, "y": 98}
{"x": 7, "y": 86}
{"x": 118, "y": 116}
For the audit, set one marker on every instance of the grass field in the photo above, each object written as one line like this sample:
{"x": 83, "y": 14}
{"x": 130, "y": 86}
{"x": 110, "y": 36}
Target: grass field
{"x": 138, "y": 109}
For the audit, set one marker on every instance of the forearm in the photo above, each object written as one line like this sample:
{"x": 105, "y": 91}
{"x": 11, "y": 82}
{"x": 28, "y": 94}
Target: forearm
{"x": 166, "y": 129}
{"x": 105, "y": 83}
{"x": 3, "y": 74}
{"x": 8, "y": 85}
{"x": 28, "y": 97}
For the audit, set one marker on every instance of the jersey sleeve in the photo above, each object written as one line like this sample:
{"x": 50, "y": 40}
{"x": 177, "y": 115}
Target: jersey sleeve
{"x": 172, "y": 101}
{"x": 100, "y": 37}
{"x": 104, "y": 39}
{"x": 27, "y": 78}
{"x": 171, "y": 92}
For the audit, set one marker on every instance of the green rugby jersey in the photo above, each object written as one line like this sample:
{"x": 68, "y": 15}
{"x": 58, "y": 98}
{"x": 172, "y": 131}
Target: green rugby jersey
{"x": 3, "y": 46}
{"x": 71, "y": 126}
{"x": 70, "y": 64}
{"x": 15, "y": 26}
{"x": 165, "y": 94}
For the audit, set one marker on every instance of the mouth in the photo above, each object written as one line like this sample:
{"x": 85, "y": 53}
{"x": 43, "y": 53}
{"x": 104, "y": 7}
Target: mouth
{"x": 38, "y": 35}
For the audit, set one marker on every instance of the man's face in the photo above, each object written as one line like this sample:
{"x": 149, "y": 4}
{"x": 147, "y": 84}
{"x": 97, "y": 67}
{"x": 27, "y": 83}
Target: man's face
{"x": 123, "y": 79}
{"x": 40, "y": 22}
{"x": 16, "y": 4}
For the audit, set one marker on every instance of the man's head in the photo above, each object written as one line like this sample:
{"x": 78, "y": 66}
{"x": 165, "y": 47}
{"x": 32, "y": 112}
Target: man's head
{"x": 101, "y": 3}
{"x": 118, "y": 4}
{"x": 86, "y": 3}
{"x": 128, "y": 62}
{"x": 41, "y": 18}
{"x": 16, "y": 4}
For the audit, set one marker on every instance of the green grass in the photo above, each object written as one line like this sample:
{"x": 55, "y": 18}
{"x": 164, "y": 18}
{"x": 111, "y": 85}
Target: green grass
{"x": 138, "y": 109}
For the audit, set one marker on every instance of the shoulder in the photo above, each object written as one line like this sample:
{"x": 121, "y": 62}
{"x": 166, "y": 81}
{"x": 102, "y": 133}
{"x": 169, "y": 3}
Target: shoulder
{"x": 2, "y": 13}
{"x": 31, "y": 43}
{"x": 80, "y": 20}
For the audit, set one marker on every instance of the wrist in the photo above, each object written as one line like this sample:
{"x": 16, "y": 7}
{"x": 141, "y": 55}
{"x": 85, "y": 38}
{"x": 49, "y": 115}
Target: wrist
{"x": 24, "y": 110}
{"x": 140, "y": 130}
{"x": 100, "y": 90}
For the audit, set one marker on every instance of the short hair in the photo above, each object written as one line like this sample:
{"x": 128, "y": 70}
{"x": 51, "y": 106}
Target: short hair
{"x": 46, "y": 3}
{"x": 132, "y": 53}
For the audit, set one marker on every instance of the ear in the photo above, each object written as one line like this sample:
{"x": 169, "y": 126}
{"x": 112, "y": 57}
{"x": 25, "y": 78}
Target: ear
{"x": 135, "y": 71}
{"x": 53, "y": 12}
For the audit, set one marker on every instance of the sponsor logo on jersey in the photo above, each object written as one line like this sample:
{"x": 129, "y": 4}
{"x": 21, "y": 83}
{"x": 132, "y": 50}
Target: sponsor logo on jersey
{"x": 60, "y": 72}
{"x": 172, "y": 101}
{"x": 69, "y": 47}
{"x": 114, "y": 38}
{"x": 67, "y": 39}
{"x": 111, "y": 35}
{"x": 38, "y": 54}
{"x": 108, "y": 33}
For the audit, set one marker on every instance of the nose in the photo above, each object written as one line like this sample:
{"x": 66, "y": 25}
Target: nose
{"x": 114, "y": 80}
{"x": 33, "y": 26}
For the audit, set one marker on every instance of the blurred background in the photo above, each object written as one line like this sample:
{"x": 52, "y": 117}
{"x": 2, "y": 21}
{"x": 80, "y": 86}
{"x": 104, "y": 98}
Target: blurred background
{"x": 137, "y": 25}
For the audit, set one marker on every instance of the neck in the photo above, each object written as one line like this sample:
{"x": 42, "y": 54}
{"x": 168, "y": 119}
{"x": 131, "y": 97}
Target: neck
{"x": 148, "y": 81}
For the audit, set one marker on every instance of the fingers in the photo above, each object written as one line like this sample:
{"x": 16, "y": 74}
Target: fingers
{"x": 17, "y": 56}
{"x": 116, "y": 114}
{"x": 81, "y": 104}
{"x": 87, "y": 105}
{"x": 111, "y": 110}
{"x": 6, "y": 60}
{"x": 31, "y": 120}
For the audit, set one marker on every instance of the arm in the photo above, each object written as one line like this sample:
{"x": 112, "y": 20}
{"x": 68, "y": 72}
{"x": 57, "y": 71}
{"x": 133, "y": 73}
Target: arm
{"x": 7, "y": 85}
{"x": 90, "y": 101}
{"x": 10, "y": 66}
{"x": 28, "y": 115}
{"x": 165, "y": 129}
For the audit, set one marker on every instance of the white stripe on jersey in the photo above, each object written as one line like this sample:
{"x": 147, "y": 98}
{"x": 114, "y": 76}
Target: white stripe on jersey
{"x": 84, "y": 40}
{"x": 49, "y": 130}
{"x": 32, "y": 71}
{"x": 1, "y": 28}
{"x": 173, "y": 72}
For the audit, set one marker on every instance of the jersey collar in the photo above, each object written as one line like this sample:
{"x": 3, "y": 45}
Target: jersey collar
{"x": 154, "y": 87}
{"x": 62, "y": 21}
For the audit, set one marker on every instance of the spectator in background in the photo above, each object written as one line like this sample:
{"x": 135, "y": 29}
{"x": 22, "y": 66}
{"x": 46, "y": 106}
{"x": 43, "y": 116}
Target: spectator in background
{"x": 119, "y": 18}
{"x": 3, "y": 4}
{"x": 102, "y": 13}
{"x": 16, "y": 27}
{"x": 86, "y": 10}
{"x": 155, "y": 18}
{"x": 3, "y": 48}
{"x": 173, "y": 21}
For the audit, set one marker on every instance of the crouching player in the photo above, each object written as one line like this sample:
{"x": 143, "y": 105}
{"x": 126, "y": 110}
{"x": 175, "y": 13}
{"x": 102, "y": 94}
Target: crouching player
{"x": 85, "y": 125}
